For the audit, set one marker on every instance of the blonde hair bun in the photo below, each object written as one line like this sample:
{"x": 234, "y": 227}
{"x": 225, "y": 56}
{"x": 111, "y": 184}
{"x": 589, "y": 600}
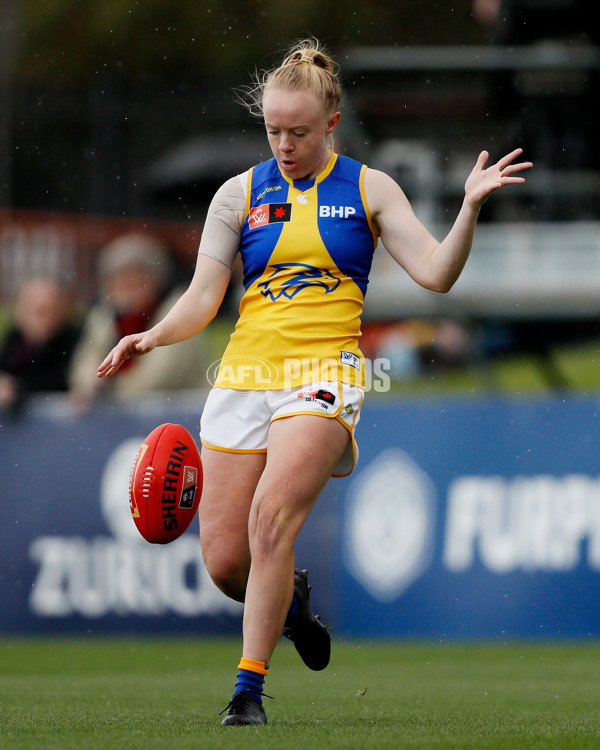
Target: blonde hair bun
{"x": 307, "y": 66}
{"x": 311, "y": 51}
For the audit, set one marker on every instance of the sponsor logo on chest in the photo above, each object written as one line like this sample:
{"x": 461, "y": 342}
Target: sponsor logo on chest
{"x": 336, "y": 212}
{"x": 269, "y": 213}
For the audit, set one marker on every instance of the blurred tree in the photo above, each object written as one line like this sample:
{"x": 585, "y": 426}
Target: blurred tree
{"x": 101, "y": 88}
{"x": 9, "y": 13}
{"x": 74, "y": 40}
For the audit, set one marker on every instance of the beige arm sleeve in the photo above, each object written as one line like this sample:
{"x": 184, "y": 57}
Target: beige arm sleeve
{"x": 223, "y": 227}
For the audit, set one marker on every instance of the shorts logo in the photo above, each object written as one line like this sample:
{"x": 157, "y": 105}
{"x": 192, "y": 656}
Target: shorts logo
{"x": 349, "y": 358}
{"x": 188, "y": 491}
{"x": 326, "y": 397}
{"x": 291, "y": 278}
{"x": 269, "y": 213}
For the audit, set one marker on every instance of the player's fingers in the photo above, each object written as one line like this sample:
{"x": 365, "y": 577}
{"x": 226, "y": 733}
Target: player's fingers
{"x": 512, "y": 168}
{"x": 108, "y": 368}
{"x": 129, "y": 346}
{"x": 105, "y": 365}
{"x": 506, "y": 160}
{"x": 482, "y": 160}
{"x": 114, "y": 359}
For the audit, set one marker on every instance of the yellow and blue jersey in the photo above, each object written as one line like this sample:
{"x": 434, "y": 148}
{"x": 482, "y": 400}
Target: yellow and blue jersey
{"x": 306, "y": 249}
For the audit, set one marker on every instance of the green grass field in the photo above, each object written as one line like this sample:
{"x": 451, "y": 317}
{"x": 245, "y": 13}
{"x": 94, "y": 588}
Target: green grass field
{"x": 167, "y": 694}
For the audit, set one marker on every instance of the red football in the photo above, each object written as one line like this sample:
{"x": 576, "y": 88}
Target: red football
{"x": 165, "y": 484}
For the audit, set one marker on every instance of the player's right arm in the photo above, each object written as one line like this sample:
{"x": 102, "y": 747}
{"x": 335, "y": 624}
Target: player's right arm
{"x": 200, "y": 302}
{"x": 192, "y": 312}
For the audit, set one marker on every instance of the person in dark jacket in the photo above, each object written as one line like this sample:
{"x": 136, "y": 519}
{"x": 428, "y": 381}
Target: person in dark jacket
{"x": 36, "y": 351}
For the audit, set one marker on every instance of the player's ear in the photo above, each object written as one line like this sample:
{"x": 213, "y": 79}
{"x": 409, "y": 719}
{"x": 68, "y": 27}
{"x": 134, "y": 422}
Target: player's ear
{"x": 332, "y": 122}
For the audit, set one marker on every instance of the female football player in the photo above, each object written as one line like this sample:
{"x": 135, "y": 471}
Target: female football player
{"x": 280, "y": 419}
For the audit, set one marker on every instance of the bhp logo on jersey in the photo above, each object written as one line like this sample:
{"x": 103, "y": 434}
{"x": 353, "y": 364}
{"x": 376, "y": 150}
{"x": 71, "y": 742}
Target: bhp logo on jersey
{"x": 336, "y": 212}
{"x": 269, "y": 213}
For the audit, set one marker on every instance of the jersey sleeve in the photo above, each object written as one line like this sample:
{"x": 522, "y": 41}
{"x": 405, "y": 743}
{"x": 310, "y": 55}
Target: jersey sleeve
{"x": 223, "y": 226}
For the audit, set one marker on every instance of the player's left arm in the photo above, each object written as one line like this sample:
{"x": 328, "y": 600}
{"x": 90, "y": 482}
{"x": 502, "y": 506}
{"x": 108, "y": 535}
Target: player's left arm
{"x": 432, "y": 264}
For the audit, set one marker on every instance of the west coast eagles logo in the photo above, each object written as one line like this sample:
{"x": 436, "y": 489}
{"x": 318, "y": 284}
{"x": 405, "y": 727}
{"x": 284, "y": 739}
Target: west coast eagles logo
{"x": 290, "y": 278}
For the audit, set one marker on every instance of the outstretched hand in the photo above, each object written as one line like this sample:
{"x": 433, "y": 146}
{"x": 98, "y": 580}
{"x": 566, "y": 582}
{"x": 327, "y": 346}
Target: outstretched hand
{"x": 482, "y": 181}
{"x": 134, "y": 345}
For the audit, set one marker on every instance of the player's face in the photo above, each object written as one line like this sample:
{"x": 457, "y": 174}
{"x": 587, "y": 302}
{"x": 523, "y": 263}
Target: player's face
{"x": 298, "y": 128}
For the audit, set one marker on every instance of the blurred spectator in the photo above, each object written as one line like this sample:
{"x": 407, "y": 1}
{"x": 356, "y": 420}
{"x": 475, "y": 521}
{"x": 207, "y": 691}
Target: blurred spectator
{"x": 413, "y": 347}
{"x": 135, "y": 281}
{"x": 37, "y": 349}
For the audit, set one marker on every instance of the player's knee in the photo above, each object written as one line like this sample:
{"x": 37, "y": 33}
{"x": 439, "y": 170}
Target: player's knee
{"x": 272, "y": 529}
{"x": 229, "y": 572}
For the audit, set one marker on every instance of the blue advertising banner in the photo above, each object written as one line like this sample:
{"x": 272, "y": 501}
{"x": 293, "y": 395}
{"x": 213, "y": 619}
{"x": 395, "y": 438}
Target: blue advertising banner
{"x": 473, "y": 519}
{"x": 71, "y": 558}
{"x": 462, "y": 519}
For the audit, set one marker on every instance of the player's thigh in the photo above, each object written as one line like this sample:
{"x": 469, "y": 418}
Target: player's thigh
{"x": 229, "y": 484}
{"x": 303, "y": 450}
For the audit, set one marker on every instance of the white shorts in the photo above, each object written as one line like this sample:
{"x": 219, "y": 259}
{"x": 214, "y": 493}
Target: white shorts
{"x": 237, "y": 421}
